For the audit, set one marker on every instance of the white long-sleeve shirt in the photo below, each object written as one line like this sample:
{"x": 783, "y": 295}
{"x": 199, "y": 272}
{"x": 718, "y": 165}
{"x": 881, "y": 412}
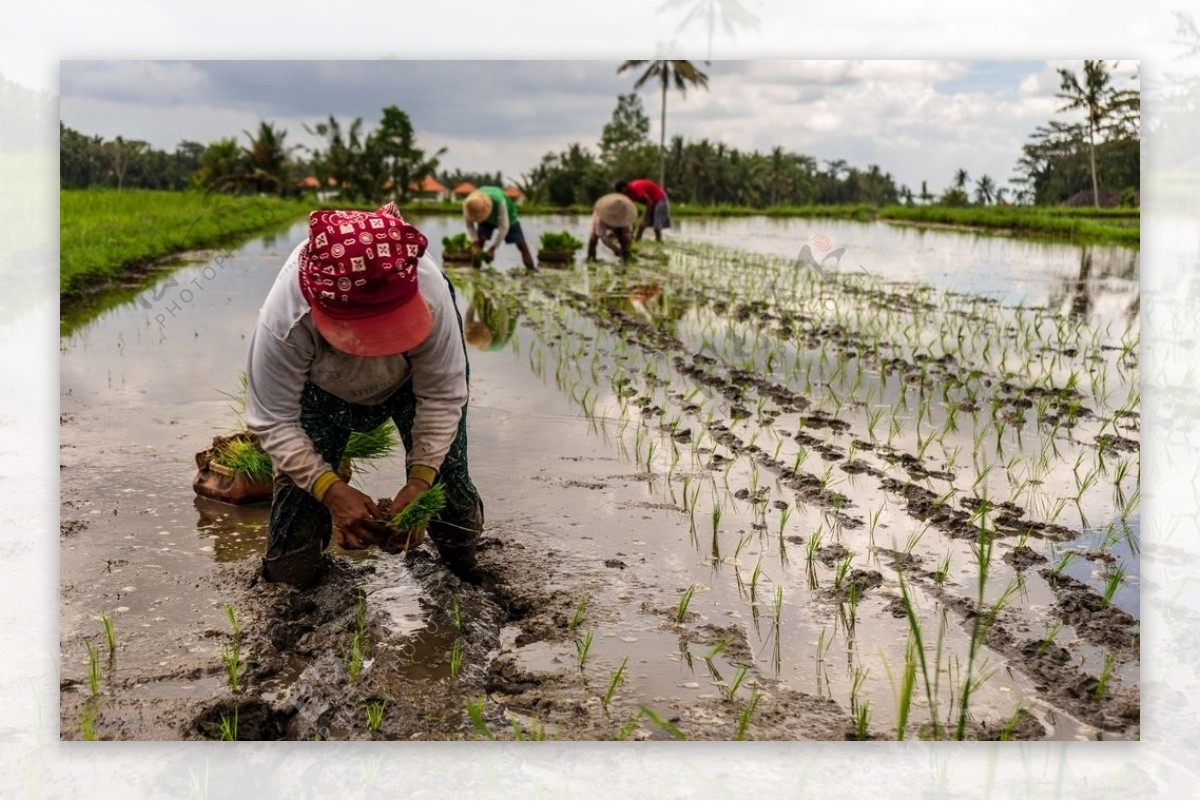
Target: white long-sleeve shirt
{"x": 502, "y": 226}
{"x": 286, "y": 350}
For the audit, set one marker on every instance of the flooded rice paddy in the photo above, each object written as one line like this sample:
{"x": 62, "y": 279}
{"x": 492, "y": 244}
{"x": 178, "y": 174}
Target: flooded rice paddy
{"x": 778, "y": 480}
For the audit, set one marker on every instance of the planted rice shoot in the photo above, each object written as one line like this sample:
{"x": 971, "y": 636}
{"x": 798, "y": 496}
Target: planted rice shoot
{"x": 664, "y": 724}
{"x": 375, "y": 710}
{"x": 229, "y": 726}
{"x": 582, "y": 646}
{"x": 110, "y": 633}
{"x": 618, "y": 677}
{"x": 475, "y": 712}
{"x": 93, "y": 674}
{"x": 747, "y": 714}
{"x": 579, "y": 614}
{"x": 684, "y": 601}
{"x": 456, "y": 658}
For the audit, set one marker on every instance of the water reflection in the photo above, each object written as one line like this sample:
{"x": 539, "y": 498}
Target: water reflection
{"x": 1100, "y": 269}
{"x": 488, "y": 323}
{"x": 237, "y": 532}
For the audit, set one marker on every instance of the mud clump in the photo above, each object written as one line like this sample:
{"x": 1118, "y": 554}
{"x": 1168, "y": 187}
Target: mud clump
{"x": 1083, "y": 608}
{"x": 251, "y": 719}
{"x": 1023, "y": 557}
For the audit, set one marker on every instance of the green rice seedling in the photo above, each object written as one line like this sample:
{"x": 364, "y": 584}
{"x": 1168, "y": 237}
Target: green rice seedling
{"x": 1063, "y": 563}
{"x": 629, "y": 727}
{"x": 355, "y": 657}
{"x": 684, "y": 601}
{"x": 856, "y": 683}
{"x": 862, "y": 719}
{"x": 380, "y": 441}
{"x": 475, "y": 712}
{"x": 1115, "y": 577}
{"x": 582, "y": 646}
{"x": 742, "y": 542}
{"x": 716, "y": 521}
{"x": 719, "y": 647}
{"x": 747, "y": 715}
{"x": 93, "y": 675}
{"x": 904, "y": 695}
{"x": 943, "y": 570}
{"x": 754, "y": 579}
{"x": 917, "y": 641}
{"x": 375, "y": 710}
{"x": 666, "y": 725}
{"x": 618, "y": 677}
{"x": 739, "y": 677}
{"x": 423, "y": 509}
{"x": 455, "y": 615}
{"x": 1102, "y": 680}
{"x": 1053, "y": 627}
{"x": 915, "y": 538}
{"x": 579, "y": 614}
{"x": 232, "y": 659}
{"x": 456, "y": 658}
{"x": 110, "y": 634}
{"x": 245, "y": 457}
{"x": 1130, "y": 505}
{"x": 841, "y": 571}
{"x": 229, "y": 726}
{"x": 87, "y": 720}
{"x": 1010, "y": 726}
{"x": 231, "y": 616}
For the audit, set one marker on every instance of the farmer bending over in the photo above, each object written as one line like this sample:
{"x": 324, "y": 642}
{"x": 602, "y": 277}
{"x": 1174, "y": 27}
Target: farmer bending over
{"x": 360, "y": 326}
{"x": 494, "y": 212}
{"x": 613, "y": 216}
{"x": 652, "y": 196}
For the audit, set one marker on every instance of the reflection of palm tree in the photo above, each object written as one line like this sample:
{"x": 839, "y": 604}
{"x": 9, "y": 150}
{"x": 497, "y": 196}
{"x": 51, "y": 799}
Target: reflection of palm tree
{"x": 681, "y": 73}
{"x": 732, "y": 13}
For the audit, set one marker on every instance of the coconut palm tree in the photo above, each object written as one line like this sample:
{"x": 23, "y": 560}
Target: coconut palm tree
{"x": 985, "y": 190}
{"x": 678, "y": 73}
{"x": 961, "y": 178}
{"x": 1094, "y": 96}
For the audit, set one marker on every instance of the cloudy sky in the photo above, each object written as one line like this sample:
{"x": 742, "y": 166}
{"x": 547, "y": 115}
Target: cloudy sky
{"x": 919, "y": 120}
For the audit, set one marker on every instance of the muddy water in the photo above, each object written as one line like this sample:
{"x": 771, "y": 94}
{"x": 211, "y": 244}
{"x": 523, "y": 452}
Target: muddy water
{"x": 578, "y": 509}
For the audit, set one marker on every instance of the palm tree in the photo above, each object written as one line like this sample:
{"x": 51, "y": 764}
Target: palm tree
{"x": 961, "y": 178}
{"x": 268, "y": 158}
{"x": 679, "y": 73}
{"x": 732, "y": 13}
{"x": 1093, "y": 96}
{"x": 925, "y": 196}
{"x": 985, "y": 190}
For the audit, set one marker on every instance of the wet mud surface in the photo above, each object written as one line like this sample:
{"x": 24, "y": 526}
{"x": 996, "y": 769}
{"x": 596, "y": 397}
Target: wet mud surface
{"x": 700, "y": 526}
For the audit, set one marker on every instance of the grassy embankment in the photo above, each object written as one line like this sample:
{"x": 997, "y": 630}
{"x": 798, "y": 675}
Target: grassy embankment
{"x": 106, "y": 235}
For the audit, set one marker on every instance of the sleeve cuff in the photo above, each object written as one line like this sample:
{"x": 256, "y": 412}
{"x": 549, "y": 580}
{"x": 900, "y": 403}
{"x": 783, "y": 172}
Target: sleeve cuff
{"x": 423, "y": 472}
{"x": 323, "y": 483}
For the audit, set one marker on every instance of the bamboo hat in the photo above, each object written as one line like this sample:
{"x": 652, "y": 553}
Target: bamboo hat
{"x": 615, "y": 210}
{"x": 477, "y": 207}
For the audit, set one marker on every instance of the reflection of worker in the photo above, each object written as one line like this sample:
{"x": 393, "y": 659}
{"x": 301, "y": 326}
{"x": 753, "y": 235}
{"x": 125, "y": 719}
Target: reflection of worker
{"x": 494, "y": 212}
{"x": 488, "y": 325}
{"x": 612, "y": 220}
{"x": 652, "y": 196}
{"x": 642, "y": 296}
{"x": 360, "y": 326}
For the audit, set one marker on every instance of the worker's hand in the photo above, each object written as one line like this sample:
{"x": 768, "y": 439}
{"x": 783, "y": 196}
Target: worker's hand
{"x": 407, "y": 494}
{"x": 491, "y": 253}
{"x": 355, "y": 517}
{"x": 477, "y": 246}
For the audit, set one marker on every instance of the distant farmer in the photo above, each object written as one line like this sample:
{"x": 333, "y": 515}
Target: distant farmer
{"x": 360, "y": 326}
{"x": 652, "y": 196}
{"x": 494, "y": 212}
{"x": 613, "y": 216}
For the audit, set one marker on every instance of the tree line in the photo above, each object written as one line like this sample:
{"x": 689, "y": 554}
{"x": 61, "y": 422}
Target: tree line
{"x": 1098, "y": 155}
